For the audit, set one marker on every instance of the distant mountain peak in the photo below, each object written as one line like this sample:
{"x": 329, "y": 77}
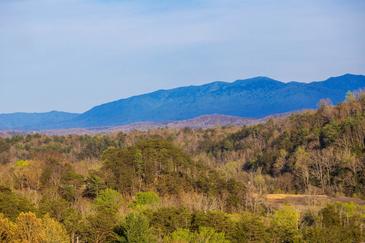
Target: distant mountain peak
{"x": 345, "y": 77}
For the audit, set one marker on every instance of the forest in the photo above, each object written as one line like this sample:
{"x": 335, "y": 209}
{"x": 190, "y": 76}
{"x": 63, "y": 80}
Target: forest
{"x": 191, "y": 185}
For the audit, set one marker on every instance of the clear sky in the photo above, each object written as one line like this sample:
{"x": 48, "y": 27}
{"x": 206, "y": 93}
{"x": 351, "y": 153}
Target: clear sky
{"x": 73, "y": 54}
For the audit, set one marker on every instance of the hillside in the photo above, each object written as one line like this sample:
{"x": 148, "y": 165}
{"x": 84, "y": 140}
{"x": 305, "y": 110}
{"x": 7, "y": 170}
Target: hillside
{"x": 298, "y": 178}
{"x": 203, "y": 122}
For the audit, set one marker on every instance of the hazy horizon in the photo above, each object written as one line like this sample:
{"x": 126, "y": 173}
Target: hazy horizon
{"x": 72, "y": 55}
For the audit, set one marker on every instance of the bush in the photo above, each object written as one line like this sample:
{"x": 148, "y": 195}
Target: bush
{"x": 285, "y": 224}
{"x": 12, "y": 204}
{"x": 250, "y": 228}
{"x": 205, "y": 234}
{"x": 108, "y": 200}
{"x": 146, "y": 199}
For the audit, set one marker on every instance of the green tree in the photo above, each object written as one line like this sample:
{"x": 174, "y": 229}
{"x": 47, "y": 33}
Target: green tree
{"x": 285, "y": 225}
{"x": 250, "y": 228}
{"x": 215, "y": 219}
{"x": 94, "y": 184}
{"x": 101, "y": 224}
{"x": 61, "y": 210}
{"x": 135, "y": 229}
{"x": 11, "y": 204}
{"x": 204, "y": 235}
{"x": 108, "y": 200}
{"x": 143, "y": 199}
{"x": 167, "y": 220}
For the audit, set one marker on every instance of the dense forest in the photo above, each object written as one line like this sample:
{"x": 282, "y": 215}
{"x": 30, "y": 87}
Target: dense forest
{"x": 191, "y": 185}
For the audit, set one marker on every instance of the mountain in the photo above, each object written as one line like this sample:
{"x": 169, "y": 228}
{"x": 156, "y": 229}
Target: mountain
{"x": 254, "y": 98}
{"x": 33, "y": 121}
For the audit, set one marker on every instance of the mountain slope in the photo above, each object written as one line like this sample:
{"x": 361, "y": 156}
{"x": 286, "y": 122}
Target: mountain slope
{"x": 255, "y": 98}
{"x": 33, "y": 121}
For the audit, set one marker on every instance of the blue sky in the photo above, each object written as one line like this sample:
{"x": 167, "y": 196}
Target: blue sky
{"x": 73, "y": 54}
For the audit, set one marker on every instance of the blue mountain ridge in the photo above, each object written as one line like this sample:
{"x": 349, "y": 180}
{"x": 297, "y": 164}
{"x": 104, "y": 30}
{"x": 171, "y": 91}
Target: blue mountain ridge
{"x": 30, "y": 121}
{"x": 254, "y": 98}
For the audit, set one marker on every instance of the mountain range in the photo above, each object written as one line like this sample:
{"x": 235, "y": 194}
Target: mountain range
{"x": 250, "y": 98}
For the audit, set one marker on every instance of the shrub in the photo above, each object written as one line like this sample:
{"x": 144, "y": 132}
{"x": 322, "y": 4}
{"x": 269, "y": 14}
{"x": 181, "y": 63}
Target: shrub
{"x": 108, "y": 200}
{"x": 12, "y": 204}
{"x": 146, "y": 199}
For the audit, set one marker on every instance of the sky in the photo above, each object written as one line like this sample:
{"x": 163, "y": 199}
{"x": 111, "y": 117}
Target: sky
{"x": 71, "y": 55}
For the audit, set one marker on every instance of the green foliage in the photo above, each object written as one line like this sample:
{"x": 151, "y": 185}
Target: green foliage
{"x": 214, "y": 219}
{"x": 4, "y": 146}
{"x": 4, "y": 151}
{"x": 338, "y": 222}
{"x": 204, "y": 234}
{"x": 70, "y": 184}
{"x": 139, "y": 165}
{"x": 94, "y": 184}
{"x": 209, "y": 235}
{"x": 159, "y": 164}
{"x": 146, "y": 199}
{"x": 180, "y": 235}
{"x": 12, "y": 204}
{"x": 285, "y": 225}
{"x": 61, "y": 210}
{"x": 135, "y": 229}
{"x": 250, "y": 228}
{"x": 329, "y": 134}
{"x": 100, "y": 227}
{"x": 108, "y": 200}
{"x": 167, "y": 220}
{"x": 93, "y": 146}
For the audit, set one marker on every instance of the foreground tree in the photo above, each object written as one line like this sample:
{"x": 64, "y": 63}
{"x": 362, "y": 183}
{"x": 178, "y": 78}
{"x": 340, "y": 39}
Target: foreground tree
{"x": 54, "y": 232}
{"x": 7, "y": 229}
